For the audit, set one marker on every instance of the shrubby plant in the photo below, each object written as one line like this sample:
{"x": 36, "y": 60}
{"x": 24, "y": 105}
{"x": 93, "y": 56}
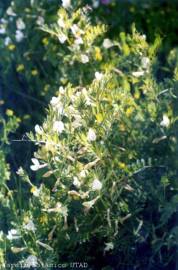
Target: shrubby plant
{"x": 29, "y": 60}
{"x": 105, "y": 173}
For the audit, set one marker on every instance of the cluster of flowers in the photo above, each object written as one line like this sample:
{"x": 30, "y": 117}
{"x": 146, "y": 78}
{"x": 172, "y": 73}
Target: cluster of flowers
{"x": 20, "y": 25}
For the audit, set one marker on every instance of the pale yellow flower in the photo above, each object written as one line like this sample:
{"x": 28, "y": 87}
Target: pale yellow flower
{"x": 34, "y": 72}
{"x": 9, "y": 112}
{"x": 20, "y": 68}
{"x": 122, "y": 165}
{"x": 11, "y": 47}
{"x": 97, "y": 54}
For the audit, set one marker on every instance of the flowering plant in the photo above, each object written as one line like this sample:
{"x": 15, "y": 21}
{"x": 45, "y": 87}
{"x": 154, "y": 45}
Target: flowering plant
{"x": 99, "y": 158}
{"x": 105, "y": 163}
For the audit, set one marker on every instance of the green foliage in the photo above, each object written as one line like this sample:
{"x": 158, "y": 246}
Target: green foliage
{"x": 7, "y": 126}
{"x": 23, "y": 59}
{"x": 4, "y": 172}
{"x": 101, "y": 160}
{"x": 103, "y": 177}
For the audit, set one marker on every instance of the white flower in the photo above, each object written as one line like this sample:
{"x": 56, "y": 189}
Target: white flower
{"x": 40, "y": 20}
{"x": 19, "y": 36}
{"x": 138, "y": 73}
{"x": 3, "y": 21}
{"x": 59, "y": 208}
{"x": 90, "y": 204}
{"x": 71, "y": 109}
{"x": 20, "y": 24}
{"x": 84, "y": 58}
{"x": 1, "y": 236}
{"x": 89, "y": 102}
{"x": 44, "y": 245}
{"x": 30, "y": 226}
{"x": 75, "y": 29}
{"x": 35, "y": 191}
{"x": 165, "y": 122}
{"x": 61, "y": 90}
{"x": 2, "y": 30}
{"x": 20, "y": 171}
{"x": 107, "y": 43}
{"x": 66, "y": 3}
{"x": 109, "y": 246}
{"x": 58, "y": 126}
{"x": 91, "y": 135}
{"x": 54, "y": 101}
{"x": 83, "y": 173}
{"x": 96, "y": 185}
{"x": 10, "y": 12}
{"x": 145, "y": 62}
{"x": 98, "y": 75}
{"x": 76, "y": 182}
{"x": 96, "y": 3}
{"x": 84, "y": 91}
{"x": 61, "y": 22}
{"x": 13, "y": 234}
{"x": 31, "y": 261}
{"x": 77, "y": 122}
{"x": 38, "y": 129}
{"x": 36, "y": 165}
{"x": 7, "y": 41}
{"x": 62, "y": 38}
{"x": 79, "y": 41}
{"x": 32, "y": 2}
